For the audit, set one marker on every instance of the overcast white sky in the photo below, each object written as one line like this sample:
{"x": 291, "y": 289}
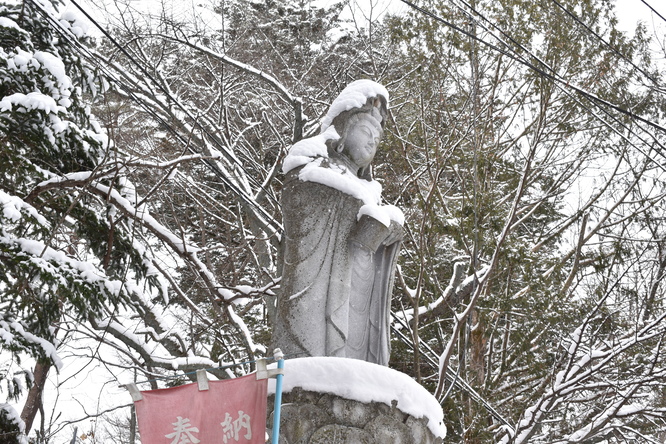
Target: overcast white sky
{"x": 631, "y": 12}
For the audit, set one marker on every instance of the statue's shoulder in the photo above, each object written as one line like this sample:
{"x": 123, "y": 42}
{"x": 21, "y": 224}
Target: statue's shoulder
{"x": 292, "y": 174}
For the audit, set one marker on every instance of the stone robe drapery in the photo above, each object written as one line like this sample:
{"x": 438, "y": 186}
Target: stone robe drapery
{"x": 337, "y": 278}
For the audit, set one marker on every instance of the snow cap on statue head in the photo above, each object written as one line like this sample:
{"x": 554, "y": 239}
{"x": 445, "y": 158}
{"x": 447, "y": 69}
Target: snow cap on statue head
{"x": 361, "y": 100}
{"x": 359, "y": 96}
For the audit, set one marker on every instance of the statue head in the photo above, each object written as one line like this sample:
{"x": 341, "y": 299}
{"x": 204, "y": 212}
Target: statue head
{"x": 358, "y": 94}
{"x": 360, "y": 131}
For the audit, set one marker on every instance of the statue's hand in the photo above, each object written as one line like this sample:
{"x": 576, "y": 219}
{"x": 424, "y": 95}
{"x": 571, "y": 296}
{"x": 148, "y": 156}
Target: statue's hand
{"x": 371, "y": 233}
{"x": 395, "y": 233}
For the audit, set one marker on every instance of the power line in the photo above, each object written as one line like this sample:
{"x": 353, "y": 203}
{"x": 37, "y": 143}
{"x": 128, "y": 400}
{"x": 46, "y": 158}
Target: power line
{"x": 607, "y": 44}
{"x": 587, "y": 108}
{"x": 269, "y": 220}
{"x": 552, "y": 75}
{"x": 562, "y": 84}
{"x": 654, "y": 10}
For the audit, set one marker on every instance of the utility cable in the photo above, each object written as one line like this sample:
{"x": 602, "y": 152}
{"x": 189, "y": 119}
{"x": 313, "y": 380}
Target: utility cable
{"x": 453, "y": 377}
{"x": 270, "y": 221}
{"x": 654, "y": 10}
{"x": 562, "y": 86}
{"x": 661, "y": 152}
{"x": 552, "y": 75}
{"x": 607, "y": 44}
{"x": 154, "y": 81}
{"x": 111, "y": 76}
{"x": 563, "y": 82}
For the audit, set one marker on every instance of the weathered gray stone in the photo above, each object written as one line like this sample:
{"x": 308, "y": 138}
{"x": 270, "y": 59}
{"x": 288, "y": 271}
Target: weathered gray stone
{"x": 420, "y": 432}
{"x": 385, "y": 428}
{"x": 300, "y": 421}
{"x": 351, "y": 413}
{"x": 338, "y": 261}
{"x": 339, "y": 434}
{"x": 310, "y": 417}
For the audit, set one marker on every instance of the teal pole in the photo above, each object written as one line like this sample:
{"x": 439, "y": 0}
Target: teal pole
{"x": 278, "y": 396}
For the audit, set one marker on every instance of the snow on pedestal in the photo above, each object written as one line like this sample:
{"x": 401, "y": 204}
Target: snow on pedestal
{"x": 338, "y": 400}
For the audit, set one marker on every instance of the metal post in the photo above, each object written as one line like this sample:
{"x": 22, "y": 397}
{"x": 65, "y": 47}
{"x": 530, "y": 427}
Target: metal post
{"x": 279, "y": 357}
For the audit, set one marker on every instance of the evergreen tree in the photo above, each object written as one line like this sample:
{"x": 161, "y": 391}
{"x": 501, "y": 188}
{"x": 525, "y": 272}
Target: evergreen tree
{"x": 498, "y": 148}
{"x": 63, "y": 251}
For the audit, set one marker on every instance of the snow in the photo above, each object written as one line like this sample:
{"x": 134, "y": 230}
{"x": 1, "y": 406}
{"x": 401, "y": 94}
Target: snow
{"x": 78, "y": 176}
{"x": 6, "y": 336}
{"x": 31, "y": 101}
{"x": 242, "y": 289}
{"x": 334, "y": 35}
{"x": 384, "y": 213}
{"x": 304, "y": 151}
{"x": 46, "y": 257}
{"x": 21, "y": 60}
{"x": 49, "y": 349}
{"x": 355, "y": 95}
{"x": 364, "y": 382}
{"x": 395, "y": 214}
{"x": 312, "y": 155}
{"x": 149, "y": 220}
{"x": 58, "y": 85}
{"x": 150, "y": 350}
{"x": 13, "y": 416}
{"x": 12, "y": 206}
{"x": 246, "y": 332}
{"x": 226, "y": 293}
{"x": 6, "y": 22}
{"x": 631, "y": 409}
{"x": 55, "y": 66}
{"x": 342, "y": 179}
{"x": 176, "y": 363}
{"x": 75, "y": 22}
{"x": 376, "y": 212}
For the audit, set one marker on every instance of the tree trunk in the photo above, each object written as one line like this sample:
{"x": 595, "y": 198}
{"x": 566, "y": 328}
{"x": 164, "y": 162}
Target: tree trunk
{"x": 478, "y": 344}
{"x": 34, "y": 400}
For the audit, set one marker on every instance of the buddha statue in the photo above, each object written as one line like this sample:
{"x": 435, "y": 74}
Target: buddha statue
{"x": 340, "y": 243}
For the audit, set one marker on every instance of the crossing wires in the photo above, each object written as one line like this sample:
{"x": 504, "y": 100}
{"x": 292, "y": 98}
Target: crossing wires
{"x": 642, "y": 132}
{"x": 524, "y": 56}
{"x": 124, "y": 82}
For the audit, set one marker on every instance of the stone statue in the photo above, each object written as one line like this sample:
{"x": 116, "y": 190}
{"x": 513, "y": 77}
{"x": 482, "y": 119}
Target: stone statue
{"x": 340, "y": 243}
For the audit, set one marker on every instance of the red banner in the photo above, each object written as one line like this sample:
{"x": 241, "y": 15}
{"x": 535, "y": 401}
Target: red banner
{"x": 229, "y": 412}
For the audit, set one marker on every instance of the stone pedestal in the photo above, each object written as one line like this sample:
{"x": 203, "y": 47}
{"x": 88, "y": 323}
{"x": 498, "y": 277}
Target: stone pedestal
{"x": 327, "y": 414}
{"x": 322, "y": 418}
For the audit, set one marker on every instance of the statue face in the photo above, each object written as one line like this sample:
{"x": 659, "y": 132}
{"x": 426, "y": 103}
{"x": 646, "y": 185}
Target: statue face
{"x": 361, "y": 141}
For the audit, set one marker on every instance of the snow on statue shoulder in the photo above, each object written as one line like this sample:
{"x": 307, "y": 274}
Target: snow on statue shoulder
{"x": 340, "y": 243}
